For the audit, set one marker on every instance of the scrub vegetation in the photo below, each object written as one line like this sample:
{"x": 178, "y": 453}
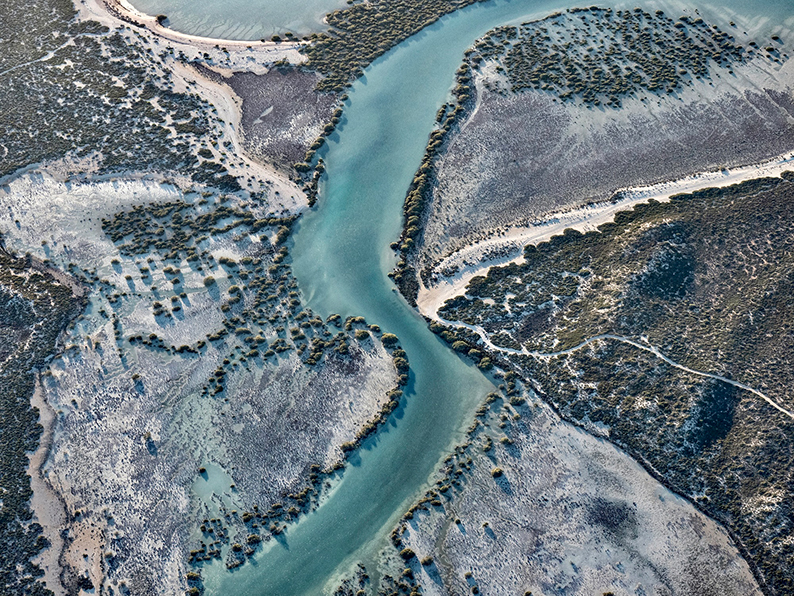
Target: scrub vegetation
{"x": 263, "y": 318}
{"x": 449, "y": 117}
{"x": 354, "y": 585}
{"x": 599, "y": 55}
{"x": 705, "y": 279}
{"x": 366, "y": 30}
{"x": 570, "y": 109}
{"x": 91, "y": 94}
{"x": 35, "y": 308}
{"x": 192, "y": 304}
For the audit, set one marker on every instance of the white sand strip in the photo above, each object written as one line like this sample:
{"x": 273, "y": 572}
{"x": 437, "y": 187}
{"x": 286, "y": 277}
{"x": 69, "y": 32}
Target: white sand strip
{"x": 507, "y": 247}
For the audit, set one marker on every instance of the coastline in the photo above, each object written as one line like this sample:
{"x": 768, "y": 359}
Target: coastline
{"x": 473, "y": 260}
{"x": 123, "y": 10}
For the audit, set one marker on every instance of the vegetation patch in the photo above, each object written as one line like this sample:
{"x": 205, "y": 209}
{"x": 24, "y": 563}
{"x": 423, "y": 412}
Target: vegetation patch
{"x": 417, "y": 201}
{"x": 87, "y": 93}
{"x": 559, "y": 85}
{"x": 599, "y": 55}
{"x": 35, "y": 308}
{"x": 706, "y": 279}
{"x": 366, "y": 30}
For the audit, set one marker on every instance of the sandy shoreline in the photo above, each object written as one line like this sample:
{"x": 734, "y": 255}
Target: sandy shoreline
{"x": 289, "y": 198}
{"x": 126, "y": 12}
{"x": 474, "y": 260}
{"x": 242, "y": 56}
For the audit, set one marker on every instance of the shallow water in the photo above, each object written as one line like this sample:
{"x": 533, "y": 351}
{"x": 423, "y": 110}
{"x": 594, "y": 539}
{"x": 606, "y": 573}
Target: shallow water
{"x": 341, "y": 258}
{"x": 241, "y": 19}
{"x": 260, "y": 19}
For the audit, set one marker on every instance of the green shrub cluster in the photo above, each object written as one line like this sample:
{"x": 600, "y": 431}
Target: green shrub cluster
{"x": 175, "y": 229}
{"x": 420, "y": 191}
{"x": 355, "y": 585}
{"x": 364, "y": 31}
{"x": 600, "y": 55}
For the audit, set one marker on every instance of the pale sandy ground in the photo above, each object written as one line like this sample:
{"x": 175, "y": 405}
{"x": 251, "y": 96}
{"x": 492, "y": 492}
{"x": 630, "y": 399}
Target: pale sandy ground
{"x": 240, "y": 56}
{"x": 572, "y": 515}
{"x": 475, "y": 259}
{"x": 46, "y": 503}
{"x": 52, "y": 179}
{"x": 98, "y": 462}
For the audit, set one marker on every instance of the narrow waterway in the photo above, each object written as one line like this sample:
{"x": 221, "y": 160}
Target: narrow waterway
{"x": 341, "y": 258}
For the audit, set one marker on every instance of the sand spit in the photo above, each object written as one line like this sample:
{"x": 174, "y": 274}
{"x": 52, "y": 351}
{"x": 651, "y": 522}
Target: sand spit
{"x": 286, "y": 195}
{"x": 451, "y": 276}
{"x": 281, "y": 113}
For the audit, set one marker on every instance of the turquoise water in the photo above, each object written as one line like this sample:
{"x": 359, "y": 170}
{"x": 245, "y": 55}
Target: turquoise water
{"x": 341, "y": 258}
{"x": 241, "y": 19}
{"x": 260, "y": 19}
